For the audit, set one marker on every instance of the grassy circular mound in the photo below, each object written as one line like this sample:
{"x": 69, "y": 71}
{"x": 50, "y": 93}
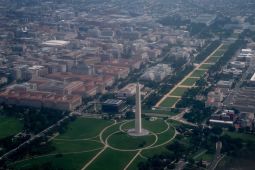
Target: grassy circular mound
{"x": 156, "y": 126}
{"x": 123, "y": 141}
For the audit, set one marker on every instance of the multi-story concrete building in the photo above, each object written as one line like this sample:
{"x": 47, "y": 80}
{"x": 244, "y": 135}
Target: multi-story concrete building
{"x": 40, "y": 99}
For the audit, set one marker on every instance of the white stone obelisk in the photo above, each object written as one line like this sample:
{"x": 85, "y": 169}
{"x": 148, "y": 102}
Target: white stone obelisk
{"x": 138, "y": 111}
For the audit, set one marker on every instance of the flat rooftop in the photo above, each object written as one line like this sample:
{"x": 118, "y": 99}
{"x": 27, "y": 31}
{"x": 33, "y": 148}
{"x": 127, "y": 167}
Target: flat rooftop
{"x": 226, "y": 83}
{"x": 56, "y": 43}
{"x": 253, "y": 77}
{"x": 36, "y": 67}
{"x": 247, "y": 50}
{"x": 113, "y": 102}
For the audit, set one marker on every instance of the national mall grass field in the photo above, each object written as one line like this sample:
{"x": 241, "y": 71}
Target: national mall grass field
{"x": 9, "y": 126}
{"x": 103, "y": 144}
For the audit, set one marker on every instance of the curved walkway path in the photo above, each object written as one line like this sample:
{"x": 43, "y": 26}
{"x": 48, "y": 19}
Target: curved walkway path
{"x": 131, "y": 150}
{"x": 139, "y": 150}
{"x": 107, "y": 145}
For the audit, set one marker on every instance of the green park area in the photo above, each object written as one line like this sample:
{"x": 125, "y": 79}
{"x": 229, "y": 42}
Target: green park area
{"x": 9, "y": 126}
{"x": 204, "y": 156}
{"x": 155, "y": 126}
{"x": 219, "y": 53}
{"x": 64, "y": 161}
{"x": 169, "y": 102}
{"x": 112, "y": 159}
{"x": 122, "y": 140}
{"x": 179, "y": 91}
{"x": 73, "y": 148}
{"x": 84, "y": 128}
{"x": 189, "y": 81}
{"x": 225, "y": 47}
{"x": 198, "y": 73}
{"x": 243, "y": 136}
{"x": 205, "y": 66}
{"x": 212, "y": 60}
{"x": 245, "y": 159}
{"x": 102, "y": 144}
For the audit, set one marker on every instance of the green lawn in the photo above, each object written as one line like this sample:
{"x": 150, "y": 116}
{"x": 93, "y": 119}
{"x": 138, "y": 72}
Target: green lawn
{"x": 156, "y": 126}
{"x": 65, "y": 162}
{"x": 205, "y": 66}
{"x": 110, "y": 130}
{"x": 84, "y": 128}
{"x": 75, "y": 150}
{"x": 9, "y": 126}
{"x": 121, "y": 140}
{"x": 135, "y": 163}
{"x": 112, "y": 160}
{"x": 242, "y": 163}
{"x": 225, "y": 47}
{"x": 75, "y": 146}
{"x": 219, "y": 53}
{"x": 198, "y": 73}
{"x": 190, "y": 81}
{"x": 166, "y": 136}
{"x": 212, "y": 60}
{"x": 179, "y": 91}
{"x": 169, "y": 102}
{"x": 205, "y": 157}
{"x": 198, "y": 154}
{"x": 243, "y": 136}
{"x": 154, "y": 151}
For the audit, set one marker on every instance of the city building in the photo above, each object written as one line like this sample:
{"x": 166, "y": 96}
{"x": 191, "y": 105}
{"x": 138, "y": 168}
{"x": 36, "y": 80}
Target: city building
{"x": 56, "y": 43}
{"x": 243, "y": 100}
{"x": 157, "y": 73}
{"x": 39, "y": 99}
{"x": 238, "y": 64}
{"x": 215, "y": 98}
{"x": 225, "y": 84}
{"x": 127, "y": 91}
{"x": 113, "y": 106}
{"x": 225, "y": 119}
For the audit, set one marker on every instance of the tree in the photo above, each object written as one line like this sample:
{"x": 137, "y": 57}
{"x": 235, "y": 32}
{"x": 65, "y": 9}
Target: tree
{"x": 217, "y": 130}
{"x": 130, "y": 115}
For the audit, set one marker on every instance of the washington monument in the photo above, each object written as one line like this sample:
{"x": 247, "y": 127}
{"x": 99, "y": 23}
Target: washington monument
{"x": 138, "y": 130}
{"x": 138, "y": 110}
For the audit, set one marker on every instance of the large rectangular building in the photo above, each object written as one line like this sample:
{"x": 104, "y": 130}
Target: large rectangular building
{"x": 243, "y": 100}
{"x": 113, "y": 106}
{"x": 127, "y": 91}
{"x": 38, "y": 99}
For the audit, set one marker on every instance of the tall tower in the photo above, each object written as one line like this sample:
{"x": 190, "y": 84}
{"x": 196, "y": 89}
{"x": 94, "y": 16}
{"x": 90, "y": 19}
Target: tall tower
{"x": 138, "y": 111}
{"x": 138, "y": 130}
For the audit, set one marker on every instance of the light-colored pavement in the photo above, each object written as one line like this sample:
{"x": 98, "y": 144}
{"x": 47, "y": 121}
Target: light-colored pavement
{"x": 130, "y": 162}
{"x": 102, "y": 141}
{"x": 105, "y": 142}
{"x": 94, "y": 158}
